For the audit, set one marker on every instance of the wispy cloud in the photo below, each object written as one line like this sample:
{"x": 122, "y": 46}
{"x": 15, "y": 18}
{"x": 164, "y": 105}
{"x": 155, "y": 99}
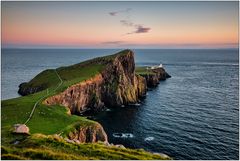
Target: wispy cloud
{"x": 113, "y": 42}
{"x": 140, "y": 29}
{"x": 114, "y": 13}
{"x": 126, "y": 23}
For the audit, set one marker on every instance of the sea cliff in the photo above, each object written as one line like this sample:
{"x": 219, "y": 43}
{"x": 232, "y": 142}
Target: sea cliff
{"x": 154, "y": 76}
{"x": 91, "y": 133}
{"x": 117, "y": 84}
{"x": 55, "y": 97}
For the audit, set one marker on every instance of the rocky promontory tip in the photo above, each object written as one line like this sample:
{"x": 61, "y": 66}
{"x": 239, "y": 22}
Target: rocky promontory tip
{"x": 153, "y": 75}
{"x": 25, "y": 89}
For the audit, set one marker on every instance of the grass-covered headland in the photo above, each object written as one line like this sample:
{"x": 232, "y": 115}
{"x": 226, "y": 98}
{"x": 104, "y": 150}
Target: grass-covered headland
{"x": 47, "y": 121}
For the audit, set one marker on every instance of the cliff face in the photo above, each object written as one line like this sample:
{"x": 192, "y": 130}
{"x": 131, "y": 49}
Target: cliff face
{"x": 88, "y": 134}
{"x": 26, "y": 90}
{"x": 157, "y": 75}
{"x": 122, "y": 86}
{"x": 80, "y": 97}
{"x": 161, "y": 73}
{"x": 116, "y": 85}
{"x": 140, "y": 85}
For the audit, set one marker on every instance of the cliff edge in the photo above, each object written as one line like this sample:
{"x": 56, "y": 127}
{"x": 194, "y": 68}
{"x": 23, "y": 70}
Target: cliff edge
{"x": 116, "y": 83}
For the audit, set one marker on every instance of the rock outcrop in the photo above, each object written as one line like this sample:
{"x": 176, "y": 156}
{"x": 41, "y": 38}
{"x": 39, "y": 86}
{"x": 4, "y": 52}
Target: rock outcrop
{"x": 21, "y": 129}
{"x": 88, "y": 134}
{"x": 116, "y": 85}
{"x": 156, "y": 75}
{"x": 24, "y": 89}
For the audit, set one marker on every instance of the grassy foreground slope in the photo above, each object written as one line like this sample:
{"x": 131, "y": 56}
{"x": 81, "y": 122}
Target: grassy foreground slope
{"x": 49, "y": 120}
{"x": 51, "y": 147}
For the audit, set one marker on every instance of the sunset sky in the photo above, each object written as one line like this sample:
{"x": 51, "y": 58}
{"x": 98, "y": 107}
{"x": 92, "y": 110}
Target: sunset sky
{"x": 120, "y": 24}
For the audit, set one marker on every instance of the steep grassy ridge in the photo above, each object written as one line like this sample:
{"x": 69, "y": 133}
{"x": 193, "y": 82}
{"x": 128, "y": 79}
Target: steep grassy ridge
{"x": 70, "y": 74}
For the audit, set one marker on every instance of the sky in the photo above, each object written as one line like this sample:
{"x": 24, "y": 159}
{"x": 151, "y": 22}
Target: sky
{"x": 119, "y": 24}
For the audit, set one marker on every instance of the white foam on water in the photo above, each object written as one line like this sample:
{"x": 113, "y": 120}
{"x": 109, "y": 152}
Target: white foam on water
{"x": 122, "y": 135}
{"x": 136, "y": 104}
{"x": 149, "y": 138}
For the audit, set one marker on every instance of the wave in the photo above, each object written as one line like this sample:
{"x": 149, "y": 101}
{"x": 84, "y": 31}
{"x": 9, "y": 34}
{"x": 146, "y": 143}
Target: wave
{"x": 122, "y": 135}
{"x": 149, "y": 138}
{"x": 136, "y": 104}
{"x": 196, "y": 63}
{"x": 225, "y": 64}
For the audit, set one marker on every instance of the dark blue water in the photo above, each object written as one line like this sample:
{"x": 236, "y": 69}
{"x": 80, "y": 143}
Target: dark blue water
{"x": 193, "y": 115}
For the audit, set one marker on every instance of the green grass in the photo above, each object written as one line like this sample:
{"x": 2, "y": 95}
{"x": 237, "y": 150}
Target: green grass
{"x": 40, "y": 79}
{"x": 52, "y": 147}
{"x": 50, "y": 119}
{"x": 143, "y": 71}
{"x": 72, "y": 74}
{"x": 45, "y": 120}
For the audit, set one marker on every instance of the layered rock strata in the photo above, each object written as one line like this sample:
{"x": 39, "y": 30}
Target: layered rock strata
{"x": 116, "y": 85}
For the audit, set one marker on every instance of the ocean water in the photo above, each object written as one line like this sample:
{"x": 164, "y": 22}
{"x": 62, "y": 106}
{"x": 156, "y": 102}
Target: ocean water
{"x": 193, "y": 115}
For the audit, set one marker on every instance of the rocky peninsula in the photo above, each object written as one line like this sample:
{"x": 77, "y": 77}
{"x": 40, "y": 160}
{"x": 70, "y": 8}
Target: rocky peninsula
{"x": 116, "y": 85}
{"x": 110, "y": 81}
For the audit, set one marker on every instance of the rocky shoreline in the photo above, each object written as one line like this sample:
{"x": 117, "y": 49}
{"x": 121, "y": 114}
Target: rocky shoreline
{"x": 117, "y": 85}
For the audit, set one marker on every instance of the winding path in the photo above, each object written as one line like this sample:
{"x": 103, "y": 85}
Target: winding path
{"x": 35, "y": 105}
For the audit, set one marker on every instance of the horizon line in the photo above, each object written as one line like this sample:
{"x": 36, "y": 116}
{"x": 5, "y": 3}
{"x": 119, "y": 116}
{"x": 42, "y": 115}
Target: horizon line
{"x": 112, "y": 48}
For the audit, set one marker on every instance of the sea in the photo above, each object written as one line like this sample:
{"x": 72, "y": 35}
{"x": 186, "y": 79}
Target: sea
{"x": 192, "y": 115}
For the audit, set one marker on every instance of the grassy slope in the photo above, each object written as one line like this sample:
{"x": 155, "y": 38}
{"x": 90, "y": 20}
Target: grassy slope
{"x": 52, "y": 147}
{"x": 50, "y": 119}
{"x": 143, "y": 71}
{"x": 72, "y": 74}
{"x": 45, "y": 120}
